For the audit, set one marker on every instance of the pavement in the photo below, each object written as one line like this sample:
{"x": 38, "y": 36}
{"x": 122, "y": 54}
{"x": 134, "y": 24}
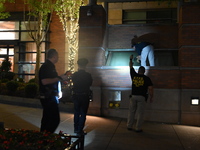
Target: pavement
{"x": 108, "y": 133}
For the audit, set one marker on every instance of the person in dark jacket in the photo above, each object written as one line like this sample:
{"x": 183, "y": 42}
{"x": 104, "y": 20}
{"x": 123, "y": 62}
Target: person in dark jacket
{"x": 50, "y": 89}
{"x": 82, "y": 81}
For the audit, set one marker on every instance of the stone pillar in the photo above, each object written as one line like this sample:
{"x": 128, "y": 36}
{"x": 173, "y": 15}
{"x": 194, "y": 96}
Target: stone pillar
{"x": 189, "y": 62}
{"x": 92, "y": 24}
{"x": 189, "y": 45}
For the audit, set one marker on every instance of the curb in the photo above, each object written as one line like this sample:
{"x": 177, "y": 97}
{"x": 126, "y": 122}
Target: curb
{"x": 33, "y": 102}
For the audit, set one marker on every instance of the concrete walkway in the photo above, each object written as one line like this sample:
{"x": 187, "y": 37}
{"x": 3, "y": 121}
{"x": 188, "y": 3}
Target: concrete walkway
{"x": 109, "y": 133}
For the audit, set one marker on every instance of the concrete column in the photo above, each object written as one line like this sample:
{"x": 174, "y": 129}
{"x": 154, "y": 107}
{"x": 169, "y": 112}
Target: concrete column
{"x": 92, "y": 24}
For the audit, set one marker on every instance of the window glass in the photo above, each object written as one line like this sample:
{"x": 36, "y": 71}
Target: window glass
{"x": 116, "y": 58}
{"x": 7, "y": 53}
{"x": 26, "y": 37}
{"x": 9, "y": 25}
{"x": 29, "y": 57}
{"x": 11, "y": 59}
{"x": 3, "y": 51}
{"x": 29, "y": 25}
{"x": 1, "y": 60}
{"x": 30, "y": 47}
{"x": 162, "y": 58}
{"x": 131, "y": 17}
{"x": 26, "y": 68}
{"x": 161, "y": 16}
{"x": 150, "y": 16}
{"x": 9, "y": 35}
{"x": 11, "y": 51}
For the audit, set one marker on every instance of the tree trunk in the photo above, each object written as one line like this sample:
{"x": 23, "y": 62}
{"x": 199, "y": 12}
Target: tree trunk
{"x": 37, "y": 67}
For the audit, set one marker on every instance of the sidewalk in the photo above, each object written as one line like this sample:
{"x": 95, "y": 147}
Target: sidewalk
{"x": 109, "y": 133}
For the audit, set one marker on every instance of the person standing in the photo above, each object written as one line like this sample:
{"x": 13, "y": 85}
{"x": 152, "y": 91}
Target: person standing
{"x": 82, "y": 81}
{"x": 145, "y": 50}
{"x": 49, "y": 85}
{"x": 142, "y": 86}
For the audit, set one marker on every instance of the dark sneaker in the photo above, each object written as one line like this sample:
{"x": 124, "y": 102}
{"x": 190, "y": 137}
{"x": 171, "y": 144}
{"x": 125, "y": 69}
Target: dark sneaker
{"x": 139, "y": 130}
{"x": 75, "y": 131}
{"x": 130, "y": 129}
{"x": 81, "y": 133}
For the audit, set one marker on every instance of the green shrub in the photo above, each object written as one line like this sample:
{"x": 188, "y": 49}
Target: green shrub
{"x": 31, "y": 90}
{"x": 3, "y": 89}
{"x": 4, "y": 80}
{"x": 31, "y": 80}
{"x": 19, "y": 79}
{"x": 12, "y": 86}
{"x": 7, "y": 75}
{"x": 21, "y": 90}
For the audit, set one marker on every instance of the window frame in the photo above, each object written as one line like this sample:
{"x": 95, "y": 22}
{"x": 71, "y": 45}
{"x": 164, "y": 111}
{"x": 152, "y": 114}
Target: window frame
{"x": 18, "y": 17}
{"x": 149, "y": 20}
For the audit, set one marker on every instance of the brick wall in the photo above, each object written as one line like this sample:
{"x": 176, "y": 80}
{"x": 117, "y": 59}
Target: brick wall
{"x": 57, "y": 41}
{"x": 92, "y": 27}
{"x": 163, "y": 36}
{"x": 189, "y": 45}
{"x": 14, "y": 7}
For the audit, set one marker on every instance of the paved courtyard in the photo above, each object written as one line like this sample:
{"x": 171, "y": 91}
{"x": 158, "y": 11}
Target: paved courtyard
{"x": 109, "y": 133}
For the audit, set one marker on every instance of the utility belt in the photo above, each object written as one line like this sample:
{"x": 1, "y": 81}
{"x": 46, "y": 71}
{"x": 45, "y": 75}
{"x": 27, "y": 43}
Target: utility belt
{"x": 80, "y": 93}
{"x": 48, "y": 95}
{"x": 89, "y": 94}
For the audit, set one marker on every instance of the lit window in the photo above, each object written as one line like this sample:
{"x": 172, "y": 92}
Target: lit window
{"x": 9, "y": 25}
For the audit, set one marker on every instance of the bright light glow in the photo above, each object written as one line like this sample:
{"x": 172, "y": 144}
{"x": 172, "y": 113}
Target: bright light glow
{"x": 195, "y": 101}
{"x": 59, "y": 91}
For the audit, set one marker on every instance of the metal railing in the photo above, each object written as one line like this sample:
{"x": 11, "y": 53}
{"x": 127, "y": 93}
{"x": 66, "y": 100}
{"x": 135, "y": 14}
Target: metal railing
{"x": 76, "y": 142}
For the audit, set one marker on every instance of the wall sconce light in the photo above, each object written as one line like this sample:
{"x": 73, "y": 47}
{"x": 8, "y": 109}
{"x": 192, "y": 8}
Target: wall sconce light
{"x": 89, "y": 12}
{"x": 195, "y": 101}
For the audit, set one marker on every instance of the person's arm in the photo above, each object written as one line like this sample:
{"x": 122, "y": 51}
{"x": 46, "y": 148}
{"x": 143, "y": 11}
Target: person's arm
{"x": 50, "y": 80}
{"x": 131, "y": 61}
{"x": 47, "y": 81}
{"x": 150, "y": 91}
{"x": 132, "y": 70}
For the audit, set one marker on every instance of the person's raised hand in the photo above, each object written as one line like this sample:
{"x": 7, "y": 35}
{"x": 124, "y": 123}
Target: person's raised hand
{"x": 131, "y": 57}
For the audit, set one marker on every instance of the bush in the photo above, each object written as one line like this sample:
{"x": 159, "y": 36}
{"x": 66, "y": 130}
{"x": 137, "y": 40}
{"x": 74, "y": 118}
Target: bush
{"x": 31, "y": 80}
{"x": 7, "y": 75}
{"x": 12, "y": 86}
{"x": 20, "y": 90}
{"x": 31, "y": 90}
{"x": 3, "y": 89}
{"x": 19, "y": 80}
{"x": 4, "y": 80}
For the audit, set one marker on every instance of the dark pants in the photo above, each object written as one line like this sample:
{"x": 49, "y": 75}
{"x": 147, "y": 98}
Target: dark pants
{"x": 51, "y": 116}
{"x": 81, "y": 104}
